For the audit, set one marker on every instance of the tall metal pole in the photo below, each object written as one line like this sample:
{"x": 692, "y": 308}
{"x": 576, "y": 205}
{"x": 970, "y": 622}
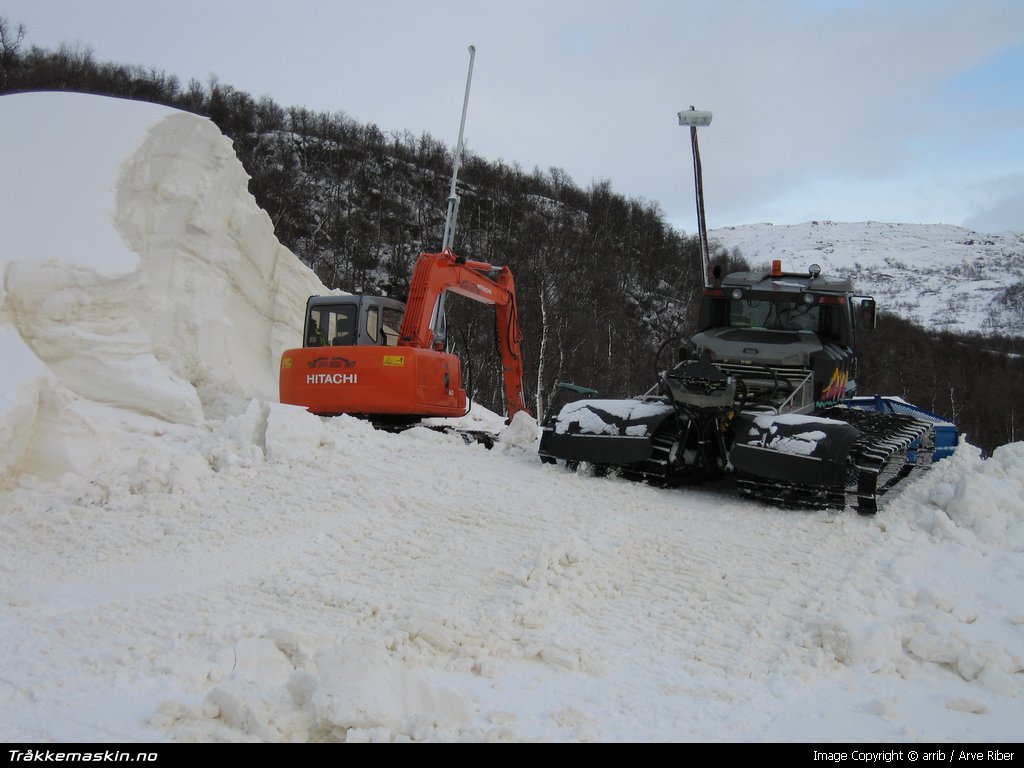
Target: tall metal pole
{"x": 437, "y": 321}
{"x": 702, "y": 229}
{"x": 694, "y": 118}
{"x": 453, "y": 199}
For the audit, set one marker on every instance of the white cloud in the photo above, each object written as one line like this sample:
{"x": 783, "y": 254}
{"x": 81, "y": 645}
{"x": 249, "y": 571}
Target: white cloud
{"x": 999, "y": 205}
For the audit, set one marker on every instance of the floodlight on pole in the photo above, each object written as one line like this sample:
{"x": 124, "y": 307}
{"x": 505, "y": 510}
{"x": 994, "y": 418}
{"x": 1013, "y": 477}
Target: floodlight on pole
{"x": 694, "y": 119}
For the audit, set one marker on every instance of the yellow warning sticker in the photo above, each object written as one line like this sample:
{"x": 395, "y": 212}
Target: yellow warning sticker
{"x": 394, "y": 361}
{"x": 286, "y": 362}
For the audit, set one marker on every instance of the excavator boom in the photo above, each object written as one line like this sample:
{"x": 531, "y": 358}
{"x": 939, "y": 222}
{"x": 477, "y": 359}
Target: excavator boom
{"x": 440, "y": 273}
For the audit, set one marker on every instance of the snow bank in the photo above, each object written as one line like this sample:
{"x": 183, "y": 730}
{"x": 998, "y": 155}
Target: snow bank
{"x": 986, "y": 501}
{"x": 915, "y": 601}
{"x": 521, "y": 435}
{"x": 156, "y": 287}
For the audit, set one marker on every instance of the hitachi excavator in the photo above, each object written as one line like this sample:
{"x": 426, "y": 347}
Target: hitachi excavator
{"x": 384, "y": 359}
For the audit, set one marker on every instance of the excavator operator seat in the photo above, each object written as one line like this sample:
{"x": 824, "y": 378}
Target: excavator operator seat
{"x": 316, "y": 336}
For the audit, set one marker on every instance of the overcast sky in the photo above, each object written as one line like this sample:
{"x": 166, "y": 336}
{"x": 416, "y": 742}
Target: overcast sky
{"x": 849, "y": 110}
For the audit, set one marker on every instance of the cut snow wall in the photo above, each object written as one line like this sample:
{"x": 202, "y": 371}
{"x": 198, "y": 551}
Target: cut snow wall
{"x": 138, "y": 274}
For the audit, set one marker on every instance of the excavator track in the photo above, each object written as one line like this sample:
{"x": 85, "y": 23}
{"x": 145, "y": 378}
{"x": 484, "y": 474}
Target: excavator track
{"x": 890, "y": 448}
{"x": 469, "y": 436}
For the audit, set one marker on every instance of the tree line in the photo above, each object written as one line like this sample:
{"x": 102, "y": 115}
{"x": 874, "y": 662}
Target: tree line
{"x": 602, "y": 280}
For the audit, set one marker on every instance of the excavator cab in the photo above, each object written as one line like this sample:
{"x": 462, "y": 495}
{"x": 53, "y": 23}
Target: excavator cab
{"x": 352, "y": 320}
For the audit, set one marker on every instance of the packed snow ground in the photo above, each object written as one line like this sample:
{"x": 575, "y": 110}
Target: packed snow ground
{"x": 183, "y": 558}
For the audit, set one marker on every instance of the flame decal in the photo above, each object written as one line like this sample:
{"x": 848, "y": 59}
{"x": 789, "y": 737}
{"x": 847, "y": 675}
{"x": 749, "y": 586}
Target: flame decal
{"x": 836, "y": 387}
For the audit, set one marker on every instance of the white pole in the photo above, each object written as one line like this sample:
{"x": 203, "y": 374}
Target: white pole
{"x": 453, "y": 198}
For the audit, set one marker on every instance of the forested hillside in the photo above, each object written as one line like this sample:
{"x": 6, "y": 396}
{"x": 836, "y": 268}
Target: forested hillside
{"x": 602, "y": 280}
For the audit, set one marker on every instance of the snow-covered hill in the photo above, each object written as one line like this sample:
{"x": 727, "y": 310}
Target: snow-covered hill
{"x": 183, "y": 558}
{"x": 936, "y": 275}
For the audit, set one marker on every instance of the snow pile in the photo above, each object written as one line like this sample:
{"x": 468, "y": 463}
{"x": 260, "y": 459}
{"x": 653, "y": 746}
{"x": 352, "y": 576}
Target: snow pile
{"x": 984, "y": 504}
{"x": 917, "y": 603}
{"x": 346, "y": 693}
{"x": 148, "y": 281}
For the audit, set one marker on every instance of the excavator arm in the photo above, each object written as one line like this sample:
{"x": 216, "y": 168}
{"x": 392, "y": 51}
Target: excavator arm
{"x": 437, "y": 274}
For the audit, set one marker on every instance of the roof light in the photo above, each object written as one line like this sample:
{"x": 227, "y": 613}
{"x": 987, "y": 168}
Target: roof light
{"x": 776, "y": 267}
{"x": 814, "y": 270}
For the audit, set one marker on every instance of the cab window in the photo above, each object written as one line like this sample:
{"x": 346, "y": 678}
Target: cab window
{"x": 333, "y": 325}
{"x": 773, "y": 314}
{"x": 391, "y": 325}
{"x": 373, "y": 324}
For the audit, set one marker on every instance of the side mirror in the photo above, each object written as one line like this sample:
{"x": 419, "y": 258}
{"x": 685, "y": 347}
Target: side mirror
{"x": 866, "y": 316}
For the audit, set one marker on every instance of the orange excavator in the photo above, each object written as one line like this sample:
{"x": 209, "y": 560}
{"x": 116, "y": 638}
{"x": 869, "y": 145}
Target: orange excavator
{"x": 380, "y": 358}
{"x": 384, "y": 359}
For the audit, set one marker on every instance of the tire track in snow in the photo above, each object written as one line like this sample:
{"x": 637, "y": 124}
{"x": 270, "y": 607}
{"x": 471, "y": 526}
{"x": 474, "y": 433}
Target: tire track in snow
{"x": 687, "y": 559}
